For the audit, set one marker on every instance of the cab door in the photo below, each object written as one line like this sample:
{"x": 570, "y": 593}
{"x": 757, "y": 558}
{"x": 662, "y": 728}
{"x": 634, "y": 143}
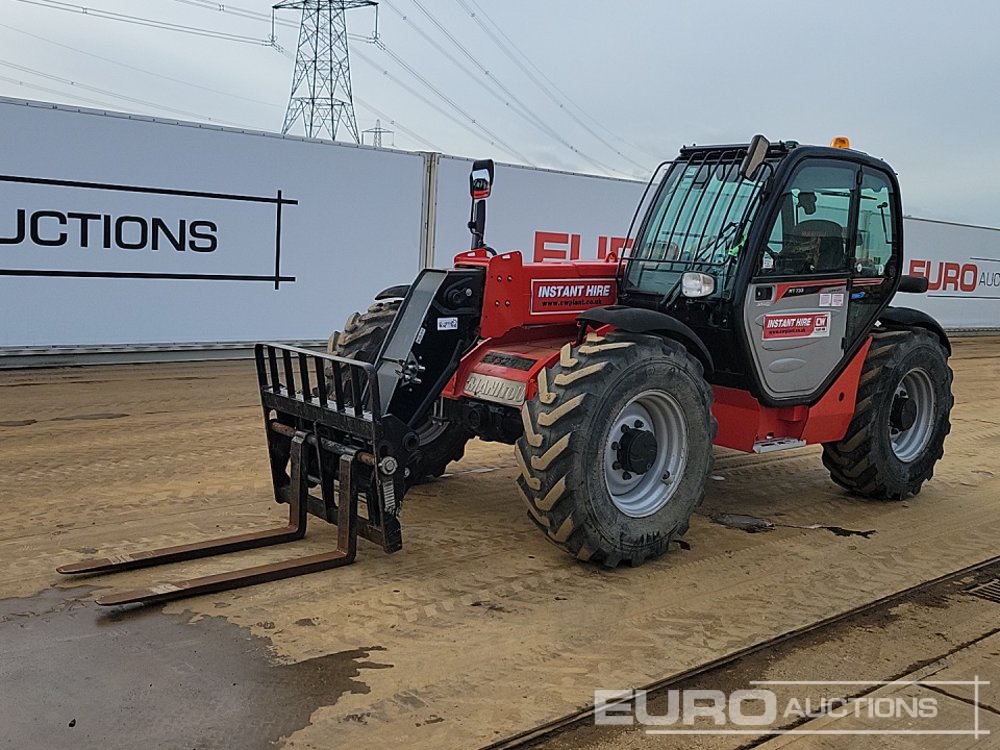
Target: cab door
{"x": 796, "y": 308}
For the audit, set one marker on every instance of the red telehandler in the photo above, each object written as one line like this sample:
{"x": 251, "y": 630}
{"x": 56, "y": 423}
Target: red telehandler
{"x": 752, "y": 312}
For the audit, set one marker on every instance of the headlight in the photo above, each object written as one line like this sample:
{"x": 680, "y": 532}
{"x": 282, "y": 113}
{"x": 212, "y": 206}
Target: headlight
{"x": 697, "y": 284}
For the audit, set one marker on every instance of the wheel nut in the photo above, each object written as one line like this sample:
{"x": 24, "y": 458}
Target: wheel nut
{"x": 626, "y": 475}
{"x": 614, "y": 446}
{"x": 638, "y": 424}
{"x": 616, "y": 466}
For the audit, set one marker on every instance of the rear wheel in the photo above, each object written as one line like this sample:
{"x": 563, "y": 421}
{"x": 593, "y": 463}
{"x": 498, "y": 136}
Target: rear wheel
{"x": 617, "y": 446}
{"x": 441, "y": 442}
{"x": 901, "y": 419}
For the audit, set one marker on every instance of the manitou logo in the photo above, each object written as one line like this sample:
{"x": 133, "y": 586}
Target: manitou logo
{"x": 49, "y": 228}
{"x": 566, "y": 246}
{"x": 956, "y": 277}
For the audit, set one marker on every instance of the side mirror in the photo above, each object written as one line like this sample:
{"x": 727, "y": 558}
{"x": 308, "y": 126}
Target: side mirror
{"x": 481, "y": 179}
{"x": 756, "y": 154}
{"x": 913, "y": 284}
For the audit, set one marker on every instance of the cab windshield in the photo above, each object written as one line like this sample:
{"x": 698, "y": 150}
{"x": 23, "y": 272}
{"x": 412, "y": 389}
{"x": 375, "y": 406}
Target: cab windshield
{"x": 698, "y": 222}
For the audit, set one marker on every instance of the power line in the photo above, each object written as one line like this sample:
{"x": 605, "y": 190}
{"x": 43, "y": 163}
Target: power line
{"x": 526, "y": 111}
{"x": 493, "y": 139}
{"x": 148, "y": 22}
{"x": 138, "y": 69}
{"x": 480, "y": 134}
{"x": 519, "y": 58}
{"x": 88, "y": 100}
{"x": 235, "y": 10}
{"x": 106, "y": 92}
{"x": 47, "y": 90}
{"x": 518, "y": 107}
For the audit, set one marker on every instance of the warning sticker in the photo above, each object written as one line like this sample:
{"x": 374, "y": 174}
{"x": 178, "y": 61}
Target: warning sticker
{"x": 797, "y": 326}
{"x": 831, "y": 299}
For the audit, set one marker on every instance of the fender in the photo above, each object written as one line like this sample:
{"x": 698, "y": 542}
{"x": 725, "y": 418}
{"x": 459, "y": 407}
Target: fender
{"x": 394, "y": 292}
{"x": 641, "y": 320}
{"x": 907, "y": 317}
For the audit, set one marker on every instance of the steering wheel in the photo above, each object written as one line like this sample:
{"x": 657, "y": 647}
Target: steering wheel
{"x": 774, "y": 256}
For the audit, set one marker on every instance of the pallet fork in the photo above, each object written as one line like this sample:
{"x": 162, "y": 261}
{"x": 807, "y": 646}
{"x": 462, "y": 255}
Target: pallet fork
{"x": 325, "y": 429}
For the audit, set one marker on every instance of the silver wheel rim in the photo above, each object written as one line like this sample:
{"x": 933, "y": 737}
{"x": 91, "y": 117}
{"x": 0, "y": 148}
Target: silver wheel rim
{"x": 642, "y": 495}
{"x": 908, "y": 444}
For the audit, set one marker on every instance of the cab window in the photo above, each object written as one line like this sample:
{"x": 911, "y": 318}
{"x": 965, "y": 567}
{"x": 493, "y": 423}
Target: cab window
{"x": 873, "y": 266}
{"x": 876, "y": 223}
{"x": 809, "y": 234}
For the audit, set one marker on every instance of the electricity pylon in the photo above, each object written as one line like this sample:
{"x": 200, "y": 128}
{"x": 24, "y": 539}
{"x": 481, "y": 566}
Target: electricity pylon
{"x": 321, "y": 83}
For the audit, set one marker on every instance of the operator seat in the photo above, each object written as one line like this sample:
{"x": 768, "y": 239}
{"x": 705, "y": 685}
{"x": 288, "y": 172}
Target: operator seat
{"x": 830, "y": 254}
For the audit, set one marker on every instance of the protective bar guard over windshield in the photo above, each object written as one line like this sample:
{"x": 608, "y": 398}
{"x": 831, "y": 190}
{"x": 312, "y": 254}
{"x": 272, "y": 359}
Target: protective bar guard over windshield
{"x": 698, "y": 222}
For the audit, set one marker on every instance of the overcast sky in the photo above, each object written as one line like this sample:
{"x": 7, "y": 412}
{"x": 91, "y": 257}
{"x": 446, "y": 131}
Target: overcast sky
{"x": 914, "y": 82}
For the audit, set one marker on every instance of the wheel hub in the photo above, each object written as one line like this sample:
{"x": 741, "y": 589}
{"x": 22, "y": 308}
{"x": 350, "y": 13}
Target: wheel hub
{"x": 904, "y": 412}
{"x": 637, "y": 449}
{"x": 911, "y": 415}
{"x": 645, "y": 452}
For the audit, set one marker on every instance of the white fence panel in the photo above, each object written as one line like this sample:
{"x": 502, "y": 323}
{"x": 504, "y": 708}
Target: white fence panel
{"x": 962, "y": 265}
{"x": 546, "y": 215}
{"x": 123, "y": 230}
{"x": 118, "y": 230}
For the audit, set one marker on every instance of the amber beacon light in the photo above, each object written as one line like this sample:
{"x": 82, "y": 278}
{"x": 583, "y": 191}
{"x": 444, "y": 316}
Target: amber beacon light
{"x": 841, "y": 141}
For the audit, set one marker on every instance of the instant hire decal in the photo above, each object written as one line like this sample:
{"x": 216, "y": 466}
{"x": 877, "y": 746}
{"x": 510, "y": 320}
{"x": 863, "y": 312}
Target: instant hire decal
{"x": 810, "y": 325}
{"x": 553, "y": 296}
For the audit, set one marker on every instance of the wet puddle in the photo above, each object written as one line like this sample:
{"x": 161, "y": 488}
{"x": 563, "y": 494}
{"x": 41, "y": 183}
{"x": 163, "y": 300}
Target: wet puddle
{"x": 68, "y": 418}
{"x": 755, "y": 525}
{"x": 74, "y": 677}
{"x": 102, "y": 415}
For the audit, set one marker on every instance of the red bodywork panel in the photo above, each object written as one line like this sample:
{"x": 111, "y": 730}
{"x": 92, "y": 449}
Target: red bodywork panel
{"x": 743, "y": 420}
{"x": 529, "y": 314}
{"x": 510, "y": 359}
{"x": 518, "y": 294}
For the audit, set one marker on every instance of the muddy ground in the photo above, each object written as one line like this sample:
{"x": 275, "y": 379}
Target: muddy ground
{"x": 478, "y": 629}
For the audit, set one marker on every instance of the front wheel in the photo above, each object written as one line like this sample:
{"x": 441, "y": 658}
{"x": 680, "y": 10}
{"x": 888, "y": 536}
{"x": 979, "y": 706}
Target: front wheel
{"x": 617, "y": 447}
{"x": 901, "y": 419}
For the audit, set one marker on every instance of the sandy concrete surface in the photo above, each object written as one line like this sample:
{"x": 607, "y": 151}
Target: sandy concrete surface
{"x": 476, "y": 630}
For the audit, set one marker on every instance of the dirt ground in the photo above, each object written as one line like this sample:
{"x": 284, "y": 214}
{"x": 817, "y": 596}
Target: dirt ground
{"x": 477, "y": 630}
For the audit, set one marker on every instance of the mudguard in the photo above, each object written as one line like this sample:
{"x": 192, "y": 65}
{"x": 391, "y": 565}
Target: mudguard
{"x": 907, "y": 317}
{"x": 394, "y": 292}
{"x": 640, "y": 320}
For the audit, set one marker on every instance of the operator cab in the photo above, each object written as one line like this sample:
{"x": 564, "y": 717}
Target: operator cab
{"x": 779, "y": 256}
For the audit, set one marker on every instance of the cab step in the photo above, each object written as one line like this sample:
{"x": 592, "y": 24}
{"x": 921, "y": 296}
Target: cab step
{"x": 777, "y": 444}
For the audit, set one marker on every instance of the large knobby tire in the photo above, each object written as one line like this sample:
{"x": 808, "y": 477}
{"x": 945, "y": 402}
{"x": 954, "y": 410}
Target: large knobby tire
{"x": 901, "y": 418}
{"x": 589, "y": 415}
{"x": 362, "y": 337}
